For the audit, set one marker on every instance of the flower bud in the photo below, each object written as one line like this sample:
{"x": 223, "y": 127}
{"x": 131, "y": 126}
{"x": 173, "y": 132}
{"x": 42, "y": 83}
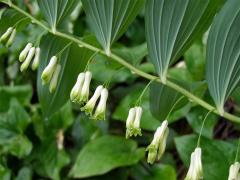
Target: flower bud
{"x": 234, "y": 171}
{"x": 158, "y": 144}
{"x": 85, "y": 88}
{"x": 36, "y": 59}
{"x": 195, "y": 169}
{"x": 89, "y": 107}
{"x": 130, "y": 122}
{"x": 101, "y": 108}
{"x": 136, "y": 124}
{"x": 5, "y": 36}
{"x": 48, "y": 71}
{"x": 24, "y": 52}
{"x": 77, "y": 88}
{"x": 27, "y": 61}
{"x": 54, "y": 80}
{"x": 11, "y": 38}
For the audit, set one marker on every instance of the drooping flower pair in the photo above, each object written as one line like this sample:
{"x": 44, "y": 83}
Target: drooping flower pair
{"x": 8, "y": 37}
{"x": 158, "y": 144}
{"x": 133, "y": 122}
{"x": 27, "y": 55}
{"x": 234, "y": 171}
{"x": 51, "y": 74}
{"x": 80, "y": 94}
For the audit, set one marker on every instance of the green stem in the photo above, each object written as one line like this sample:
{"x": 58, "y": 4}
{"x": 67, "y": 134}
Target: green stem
{"x": 124, "y": 63}
{"x": 236, "y": 157}
{"x": 174, "y": 107}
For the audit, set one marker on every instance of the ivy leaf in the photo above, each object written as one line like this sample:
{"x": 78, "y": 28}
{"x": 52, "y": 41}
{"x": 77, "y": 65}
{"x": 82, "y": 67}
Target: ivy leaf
{"x": 73, "y": 61}
{"x": 109, "y": 19}
{"x": 114, "y": 152}
{"x": 171, "y": 27}
{"x": 223, "y": 57}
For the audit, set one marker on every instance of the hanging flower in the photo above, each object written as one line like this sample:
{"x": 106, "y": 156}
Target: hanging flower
{"x": 158, "y": 144}
{"x": 54, "y": 80}
{"x": 24, "y": 52}
{"x": 77, "y": 88}
{"x": 28, "y": 59}
{"x": 89, "y": 107}
{"x": 101, "y": 108}
{"x": 234, "y": 173}
{"x": 49, "y": 70}
{"x": 133, "y": 122}
{"x": 195, "y": 171}
{"x": 11, "y": 38}
{"x": 85, "y": 89}
{"x": 6, "y": 35}
{"x": 36, "y": 59}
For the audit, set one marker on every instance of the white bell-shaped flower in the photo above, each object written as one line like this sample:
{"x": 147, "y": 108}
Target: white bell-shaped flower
{"x": 130, "y": 122}
{"x": 36, "y": 59}
{"x": 85, "y": 88}
{"x": 195, "y": 171}
{"x": 11, "y": 38}
{"x": 234, "y": 171}
{"x": 28, "y": 59}
{"x": 158, "y": 144}
{"x": 24, "y": 52}
{"x": 89, "y": 107}
{"x": 101, "y": 108}
{"x": 6, "y": 35}
{"x": 49, "y": 70}
{"x": 77, "y": 88}
{"x": 54, "y": 80}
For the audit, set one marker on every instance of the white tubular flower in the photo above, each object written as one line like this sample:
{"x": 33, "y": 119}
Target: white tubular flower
{"x": 77, "y": 88}
{"x": 89, "y": 107}
{"x": 5, "y": 36}
{"x": 36, "y": 59}
{"x": 130, "y": 122}
{"x": 234, "y": 171}
{"x": 49, "y": 70}
{"x": 101, "y": 108}
{"x": 85, "y": 88}
{"x": 24, "y": 52}
{"x": 11, "y": 38}
{"x": 195, "y": 171}
{"x": 158, "y": 144}
{"x": 136, "y": 124}
{"x": 54, "y": 80}
{"x": 27, "y": 61}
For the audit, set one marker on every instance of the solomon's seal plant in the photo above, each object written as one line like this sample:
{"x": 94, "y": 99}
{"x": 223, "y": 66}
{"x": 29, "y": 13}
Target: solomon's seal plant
{"x": 163, "y": 75}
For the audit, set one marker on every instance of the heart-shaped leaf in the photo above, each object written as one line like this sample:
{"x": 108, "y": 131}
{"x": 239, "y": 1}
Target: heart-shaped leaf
{"x": 56, "y": 11}
{"x": 223, "y": 54}
{"x": 171, "y": 27}
{"x": 73, "y": 60}
{"x": 109, "y": 19}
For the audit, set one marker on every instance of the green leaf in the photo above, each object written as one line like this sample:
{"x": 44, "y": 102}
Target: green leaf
{"x": 109, "y": 19}
{"x": 25, "y": 173}
{"x": 57, "y": 11}
{"x": 217, "y": 156}
{"x": 148, "y": 122}
{"x": 114, "y": 152}
{"x": 5, "y": 174}
{"x": 195, "y": 119}
{"x": 171, "y": 27}
{"x": 22, "y": 93}
{"x": 73, "y": 61}
{"x": 223, "y": 58}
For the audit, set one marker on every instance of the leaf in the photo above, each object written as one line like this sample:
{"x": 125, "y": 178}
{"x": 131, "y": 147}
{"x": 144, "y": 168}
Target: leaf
{"x": 217, "y": 156}
{"x": 171, "y": 27}
{"x": 109, "y": 19}
{"x": 195, "y": 119}
{"x": 223, "y": 57}
{"x": 22, "y": 93}
{"x": 5, "y": 174}
{"x": 148, "y": 122}
{"x": 24, "y": 173}
{"x": 73, "y": 61}
{"x": 114, "y": 152}
{"x": 57, "y": 11}
{"x": 12, "y": 18}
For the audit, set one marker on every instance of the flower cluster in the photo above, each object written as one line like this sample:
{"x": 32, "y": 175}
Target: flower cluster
{"x": 133, "y": 122}
{"x": 158, "y": 144}
{"x": 195, "y": 171}
{"x": 234, "y": 171}
{"x": 26, "y": 56}
{"x": 8, "y": 37}
{"x": 80, "y": 94}
{"x": 51, "y": 74}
